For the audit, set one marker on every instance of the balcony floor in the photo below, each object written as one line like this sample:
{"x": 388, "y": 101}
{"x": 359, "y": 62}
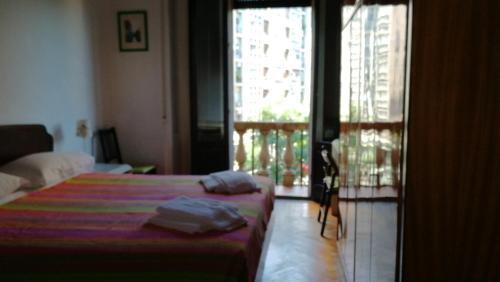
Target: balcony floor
{"x": 289, "y": 192}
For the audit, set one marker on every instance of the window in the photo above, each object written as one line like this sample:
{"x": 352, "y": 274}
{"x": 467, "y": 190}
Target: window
{"x": 253, "y": 47}
{"x": 238, "y": 73}
{"x": 237, "y": 48}
{"x": 266, "y": 26}
{"x": 239, "y": 22}
{"x": 238, "y": 97}
{"x": 253, "y": 73}
{"x": 270, "y": 38}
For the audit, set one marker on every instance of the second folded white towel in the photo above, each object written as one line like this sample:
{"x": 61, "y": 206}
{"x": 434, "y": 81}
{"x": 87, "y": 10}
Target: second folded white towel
{"x": 194, "y": 215}
{"x": 229, "y": 182}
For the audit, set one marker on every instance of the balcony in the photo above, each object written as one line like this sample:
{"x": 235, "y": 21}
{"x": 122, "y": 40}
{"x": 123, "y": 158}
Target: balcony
{"x": 274, "y": 149}
{"x": 370, "y": 158}
{"x": 280, "y": 150}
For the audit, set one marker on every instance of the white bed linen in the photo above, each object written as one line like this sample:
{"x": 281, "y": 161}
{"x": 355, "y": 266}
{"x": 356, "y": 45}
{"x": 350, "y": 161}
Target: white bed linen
{"x": 25, "y": 191}
{"x": 47, "y": 168}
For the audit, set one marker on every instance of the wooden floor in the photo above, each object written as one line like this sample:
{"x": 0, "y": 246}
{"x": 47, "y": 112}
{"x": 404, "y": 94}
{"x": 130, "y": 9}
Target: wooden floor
{"x": 294, "y": 249}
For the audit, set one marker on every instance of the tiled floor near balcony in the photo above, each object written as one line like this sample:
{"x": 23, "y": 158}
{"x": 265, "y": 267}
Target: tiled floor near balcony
{"x": 295, "y": 191}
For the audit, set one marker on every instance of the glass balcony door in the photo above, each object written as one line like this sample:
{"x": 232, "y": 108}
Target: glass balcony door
{"x": 271, "y": 83}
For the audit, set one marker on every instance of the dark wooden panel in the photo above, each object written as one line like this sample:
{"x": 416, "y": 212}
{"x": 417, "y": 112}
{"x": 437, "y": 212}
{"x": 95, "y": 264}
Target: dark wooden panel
{"x": 20, "y": 140}
{"x": 209, "y": 95}
{"x": 326, "y": 79}
{"x": 452, "y": 205}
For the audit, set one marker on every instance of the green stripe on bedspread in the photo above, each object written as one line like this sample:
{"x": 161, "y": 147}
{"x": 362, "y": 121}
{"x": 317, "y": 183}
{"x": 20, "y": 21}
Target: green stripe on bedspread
{"x": 94, "y": 228}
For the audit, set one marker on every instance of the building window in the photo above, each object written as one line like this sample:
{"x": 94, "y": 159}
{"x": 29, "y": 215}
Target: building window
{"x": 265, "y": 92}
{"x": 238, "y": 96}
{"x": 286, "y": 74}
{"x": 266, "y": 48}
{"x": 265, "y": 71}
{"x": 286, "y": 53}
{"x": 239, "y": 22}
{"x": 287, "y": 32}
{"x": 266, "y": 26}
{"x": 237, "y": 49}
{"x": 238, "y": 73}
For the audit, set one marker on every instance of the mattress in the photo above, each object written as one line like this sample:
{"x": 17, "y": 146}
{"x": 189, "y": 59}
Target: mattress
{"x": 94, "y": 227}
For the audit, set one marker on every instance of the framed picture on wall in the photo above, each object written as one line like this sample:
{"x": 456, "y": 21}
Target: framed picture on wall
{"x": 133, "y": 31}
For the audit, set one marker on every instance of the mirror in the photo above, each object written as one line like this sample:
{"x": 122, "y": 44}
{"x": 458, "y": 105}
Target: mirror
{"x": 372, "y": 89}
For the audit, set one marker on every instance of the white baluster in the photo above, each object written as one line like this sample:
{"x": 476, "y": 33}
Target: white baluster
{"x": 264, "y": 153}
{"x": 241, "y": 155}
{"x": 288, "y": 176}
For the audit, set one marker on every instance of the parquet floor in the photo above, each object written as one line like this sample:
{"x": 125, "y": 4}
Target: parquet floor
{"x": 294, "y": 250}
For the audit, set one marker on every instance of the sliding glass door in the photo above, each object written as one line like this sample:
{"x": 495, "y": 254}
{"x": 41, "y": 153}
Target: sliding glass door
{"x": 372, "y": 87}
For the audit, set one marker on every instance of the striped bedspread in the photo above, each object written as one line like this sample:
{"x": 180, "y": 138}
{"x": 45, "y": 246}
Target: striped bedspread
{"x": 94, "y": 227}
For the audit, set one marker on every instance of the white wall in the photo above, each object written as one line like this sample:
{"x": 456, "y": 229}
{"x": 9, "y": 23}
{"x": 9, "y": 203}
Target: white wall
{"x": 135, "y": 86}
{"x": 46, "y": 67}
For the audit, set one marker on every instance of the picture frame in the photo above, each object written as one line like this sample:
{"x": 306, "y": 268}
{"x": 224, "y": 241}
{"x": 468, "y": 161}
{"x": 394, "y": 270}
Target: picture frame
{"x": 133, "y": 31}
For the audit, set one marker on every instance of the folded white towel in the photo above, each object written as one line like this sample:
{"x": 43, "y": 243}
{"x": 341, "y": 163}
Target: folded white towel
{"x": 229, "y": 182}
{"x": 198, "y": 215}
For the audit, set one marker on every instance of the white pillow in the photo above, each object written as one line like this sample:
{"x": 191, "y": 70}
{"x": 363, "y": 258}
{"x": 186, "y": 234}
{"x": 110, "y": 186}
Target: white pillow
{"x": 44, "y": 169}
{"x": 10, "y": 183}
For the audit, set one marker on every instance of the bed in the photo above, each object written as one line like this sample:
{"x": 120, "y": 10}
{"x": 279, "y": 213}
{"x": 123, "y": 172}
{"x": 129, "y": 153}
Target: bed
{"x": 94, "y": 227}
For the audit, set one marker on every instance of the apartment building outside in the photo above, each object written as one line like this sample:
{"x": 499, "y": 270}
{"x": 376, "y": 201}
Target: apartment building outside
{"x": 272, "y": 61}
{"x": 376, "y": 44}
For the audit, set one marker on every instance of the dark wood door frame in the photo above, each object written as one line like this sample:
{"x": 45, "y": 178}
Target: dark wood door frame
{"x": 208, "y": 85}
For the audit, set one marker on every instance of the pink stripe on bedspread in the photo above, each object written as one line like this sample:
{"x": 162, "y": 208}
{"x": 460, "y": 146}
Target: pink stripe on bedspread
{"x": 100, "y": 221}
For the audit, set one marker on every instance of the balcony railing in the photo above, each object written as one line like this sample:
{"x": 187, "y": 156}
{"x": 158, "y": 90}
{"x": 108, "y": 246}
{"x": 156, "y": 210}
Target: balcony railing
{"x": 370, "y": 154}
{"x": 282, "y": 149}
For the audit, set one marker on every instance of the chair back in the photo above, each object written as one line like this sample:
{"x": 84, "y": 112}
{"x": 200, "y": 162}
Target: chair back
{"x": 330, "y": 165}
{"x": 109, "y": 145}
